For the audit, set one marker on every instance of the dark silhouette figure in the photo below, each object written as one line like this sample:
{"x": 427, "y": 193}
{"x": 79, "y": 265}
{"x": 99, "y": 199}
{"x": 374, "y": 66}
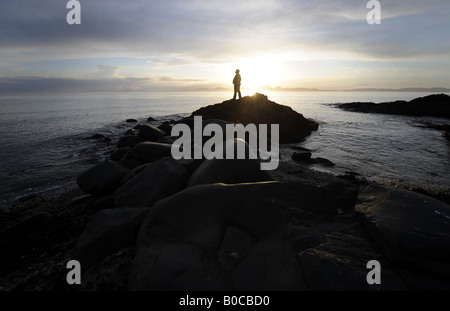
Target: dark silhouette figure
{"x": 237, "y": 84}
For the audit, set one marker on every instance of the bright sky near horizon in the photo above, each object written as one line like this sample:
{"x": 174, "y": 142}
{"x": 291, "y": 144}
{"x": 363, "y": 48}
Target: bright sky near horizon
{"x": 194, "y": 44}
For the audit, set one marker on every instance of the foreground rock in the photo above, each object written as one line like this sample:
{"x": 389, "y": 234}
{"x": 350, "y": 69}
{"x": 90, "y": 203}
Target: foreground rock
{"x": 257, "y": 109}
{"x": 226, "y": 237}
{"x": 109, "y": 231}
{"x": 148, "y": 152}
{"x": 432, "y": 105}
{"x": 412, "y": 229}
{"x": 231, "y": 171}
{"x": 105, "y": 177}
{"x": 151, "y": 182}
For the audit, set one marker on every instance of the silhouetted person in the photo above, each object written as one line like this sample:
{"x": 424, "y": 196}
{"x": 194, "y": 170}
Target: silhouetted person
{"x": 237, "y": 84}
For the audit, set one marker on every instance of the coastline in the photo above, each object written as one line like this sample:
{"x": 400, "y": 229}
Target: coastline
{"x": 37, "y": 262}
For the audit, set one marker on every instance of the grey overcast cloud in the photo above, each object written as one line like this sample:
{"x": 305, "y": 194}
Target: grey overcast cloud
{"x": 181, "y": 45}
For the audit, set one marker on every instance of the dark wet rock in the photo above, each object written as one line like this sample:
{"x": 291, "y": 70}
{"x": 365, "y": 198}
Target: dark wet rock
{"x": 446, "y": 134}
{"x": 303, "y": 237}
{"x": 340, "y": 263}
{"x": 148, "y": 152}
{"x": 229, "y": 171}
{"x": 411, "y": 229}
{"x": 131, "y": 121}
{"x": 301, "y": 156}
{"x": 96, "y": 136}
{"x": 110, "y": 274}
{"x": 130, "y": 132}
{"x": 151, "y": 132}
{"x": 108, "y": 231}
{"x": 105, "y": 202}
{"x": 149, "y": 119}
{"x": 80, "y": 199}
{"x": 150, "y": 183}
{"x": 189, "y": 121}
{"x": 348, "y": 177}
{"x": 299, "y": 148}
{"x": 106, "y": 140}
{"x": 323, "y": 161}
{"x": 191, "y": 165}
{"x": 167, "y": 139}
{"x": 104, "y": 177}
{"x": 129, "y": 141}
{"x": 217, "y": 237}
{"x": 29, "y": 225}
{"x": 433, "y": 105}
{"x": 166, "y": 127}
{"x": 137, "y": 126}
{"x": 118, "y": 154}
{"x": 257, "y": 109}
{"x": 439, "y": 127}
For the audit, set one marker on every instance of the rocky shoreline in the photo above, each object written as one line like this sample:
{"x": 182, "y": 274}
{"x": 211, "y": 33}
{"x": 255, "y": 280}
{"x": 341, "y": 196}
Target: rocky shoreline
{"x": 144, "y": 221}
{"x": 437, "y": 105}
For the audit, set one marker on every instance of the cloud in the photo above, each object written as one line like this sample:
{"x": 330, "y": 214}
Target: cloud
{"x": 95, "y": 84}
{"x": 205, "y": 29}
{"x": 106, "y": 71}
{"x": 179, "y": 37}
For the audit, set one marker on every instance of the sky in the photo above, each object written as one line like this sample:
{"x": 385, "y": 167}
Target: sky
{"x": 176, "y": 45}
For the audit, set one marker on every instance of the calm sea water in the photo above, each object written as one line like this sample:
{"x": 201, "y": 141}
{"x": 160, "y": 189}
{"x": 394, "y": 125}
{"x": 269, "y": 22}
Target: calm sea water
{"x": 44, "y": 141}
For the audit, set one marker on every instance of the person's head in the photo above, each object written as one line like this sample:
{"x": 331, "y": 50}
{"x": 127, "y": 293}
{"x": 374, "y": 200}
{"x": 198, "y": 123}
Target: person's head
{"x": 237, "y": 70}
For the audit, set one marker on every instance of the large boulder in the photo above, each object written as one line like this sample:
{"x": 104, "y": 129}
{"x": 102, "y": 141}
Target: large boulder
{"x": 230, "y": 171}
{"x": 150, "y": 183}
{"x": 257, "y": 109}
{"x": 412, "y": 229}
{"x": 151, "y": 132}
{"x": 223, "y": 237}
{"x": 129, "y": 141}
{"x": 148, "y": 152}
{"x": 105, "y": 177}
{"x": 108, "y": 231}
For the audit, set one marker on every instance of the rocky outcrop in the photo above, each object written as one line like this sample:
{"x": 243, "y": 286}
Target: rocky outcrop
{"x": 258, "y": 109}
{"x": 212, "y": 224}
{"x": 433, "y": 105}
{"x": 226, "y": 237}
{"x": 150, "y": 183}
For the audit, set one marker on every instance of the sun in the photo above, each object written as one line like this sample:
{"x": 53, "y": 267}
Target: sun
{"x": 257, "y": 73}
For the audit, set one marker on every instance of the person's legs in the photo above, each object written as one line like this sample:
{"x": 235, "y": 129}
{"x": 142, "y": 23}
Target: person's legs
{"x": 237, "y": 90}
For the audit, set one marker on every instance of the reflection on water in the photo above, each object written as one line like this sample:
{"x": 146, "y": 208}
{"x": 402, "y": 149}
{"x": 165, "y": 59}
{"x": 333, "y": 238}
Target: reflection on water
{"x": 383, "y": 148}
{"x": 44, "y": 137}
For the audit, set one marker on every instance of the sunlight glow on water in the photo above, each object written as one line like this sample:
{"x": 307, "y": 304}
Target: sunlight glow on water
{"x": 43, "y": 137}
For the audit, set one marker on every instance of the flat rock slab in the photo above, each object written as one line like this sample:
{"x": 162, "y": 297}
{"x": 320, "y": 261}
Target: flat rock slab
{"x": 412, "y": 229}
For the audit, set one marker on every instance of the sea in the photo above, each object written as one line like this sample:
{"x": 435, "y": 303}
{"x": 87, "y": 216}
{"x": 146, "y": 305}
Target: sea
{"x": 45, "y": 138}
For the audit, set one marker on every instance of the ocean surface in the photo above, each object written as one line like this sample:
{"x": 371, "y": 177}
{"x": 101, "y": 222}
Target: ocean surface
{"x": 45, "y": 145}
